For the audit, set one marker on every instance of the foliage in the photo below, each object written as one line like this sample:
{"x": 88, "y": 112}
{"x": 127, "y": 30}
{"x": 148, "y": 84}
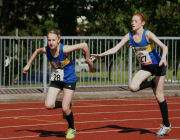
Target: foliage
{"x": 107, "y": 17}
{"x": 31, "y": 16}
{"x": 113, "y": 17}
{"x": 103, "y": 17}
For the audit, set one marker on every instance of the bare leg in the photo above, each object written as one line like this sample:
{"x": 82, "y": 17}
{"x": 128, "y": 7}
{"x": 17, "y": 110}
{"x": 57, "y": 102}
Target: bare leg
{"x": 158, "y": 91}
{"x": 67, "y": 98}
{"x": 159, "y": 88}
{"x": 139, "y": 77}
{"x": 51, "y": 97}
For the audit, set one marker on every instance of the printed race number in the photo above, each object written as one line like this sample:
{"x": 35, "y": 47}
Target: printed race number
{"x": 144, "y": 58}
{"x": 57, "y": 75}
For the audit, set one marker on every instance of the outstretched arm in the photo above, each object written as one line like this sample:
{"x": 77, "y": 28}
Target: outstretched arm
{"x": 112, "y": 50}
{"x": 82, "y": 46}
{"x": 153, "y": 37}
{"x": 34, "y": 55}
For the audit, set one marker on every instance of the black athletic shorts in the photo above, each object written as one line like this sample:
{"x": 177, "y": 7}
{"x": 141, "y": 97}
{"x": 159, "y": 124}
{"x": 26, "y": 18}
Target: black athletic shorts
{"x": 155, "y": 70}
{"x": 62, "y": 85}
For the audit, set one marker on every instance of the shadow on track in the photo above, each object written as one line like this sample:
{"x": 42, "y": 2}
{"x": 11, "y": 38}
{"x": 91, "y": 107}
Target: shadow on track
{"x": 124, "y": 129}
{"x": 44, "y": 133}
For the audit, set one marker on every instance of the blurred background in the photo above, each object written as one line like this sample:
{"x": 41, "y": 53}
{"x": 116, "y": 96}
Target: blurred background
{"x": 87, "y": 17}
{"x": 99, "y": 23}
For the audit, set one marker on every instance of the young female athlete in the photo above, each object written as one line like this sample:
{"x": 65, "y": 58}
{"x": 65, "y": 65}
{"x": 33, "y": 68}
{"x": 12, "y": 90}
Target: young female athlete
{"x": 63, "y": 77}
{"x": 143, "y": 43}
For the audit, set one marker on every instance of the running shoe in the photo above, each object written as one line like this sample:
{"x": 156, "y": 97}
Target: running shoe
{"x": 70, "y": 134}
{"x": 163, "y": 130}
{"x": 64, "y": 116}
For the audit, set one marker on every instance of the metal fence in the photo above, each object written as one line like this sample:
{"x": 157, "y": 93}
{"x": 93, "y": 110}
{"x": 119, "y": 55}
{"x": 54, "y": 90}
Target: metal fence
{"x": 111, "y": 71}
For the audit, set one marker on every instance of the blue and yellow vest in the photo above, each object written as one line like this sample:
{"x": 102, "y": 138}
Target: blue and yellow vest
{"x": 145, "y": 51}
{"x": 63, "y": 62}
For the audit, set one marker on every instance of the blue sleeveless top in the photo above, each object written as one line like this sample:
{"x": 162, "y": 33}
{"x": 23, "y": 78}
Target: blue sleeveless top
{"x": 145, "y": 52}
{"x": 63, "y": 62}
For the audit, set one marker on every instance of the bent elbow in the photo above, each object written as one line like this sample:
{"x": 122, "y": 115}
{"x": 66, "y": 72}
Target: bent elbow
{"x": 85, "y": 45}
{"x": 167, "y": 49}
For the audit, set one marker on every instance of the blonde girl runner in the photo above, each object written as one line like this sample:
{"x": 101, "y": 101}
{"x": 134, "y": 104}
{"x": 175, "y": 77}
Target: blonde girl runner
{"x": 63, "y": 77}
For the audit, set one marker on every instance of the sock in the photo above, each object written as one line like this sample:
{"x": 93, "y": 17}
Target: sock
{"x": 58, "y": 104}
{"x": 164, "y": 112}
{"x": 145, "y": 84}
{"x": 70, "y": 120}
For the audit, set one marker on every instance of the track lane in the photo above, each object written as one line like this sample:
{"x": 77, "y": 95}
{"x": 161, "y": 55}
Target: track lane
{"x": 125, "y": 123}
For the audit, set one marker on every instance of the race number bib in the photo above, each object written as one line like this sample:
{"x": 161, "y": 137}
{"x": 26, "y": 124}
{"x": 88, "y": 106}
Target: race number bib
{"x": 143, "y": 57}
{"x": 57, "y": 75}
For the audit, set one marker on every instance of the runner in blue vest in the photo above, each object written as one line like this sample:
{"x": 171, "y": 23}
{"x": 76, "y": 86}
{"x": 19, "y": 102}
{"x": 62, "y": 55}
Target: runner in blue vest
{"x": 143, "y": 43}
{"x": 63, "y": 77}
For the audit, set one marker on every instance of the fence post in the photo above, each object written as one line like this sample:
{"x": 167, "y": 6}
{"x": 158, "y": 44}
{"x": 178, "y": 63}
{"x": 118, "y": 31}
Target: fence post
{"x": 130, "y": 66}
{"x": 45, "y": 68}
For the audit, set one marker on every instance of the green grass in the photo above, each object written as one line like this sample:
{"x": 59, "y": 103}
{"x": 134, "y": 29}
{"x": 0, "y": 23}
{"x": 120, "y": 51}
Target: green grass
{"x": 101, "y": 78}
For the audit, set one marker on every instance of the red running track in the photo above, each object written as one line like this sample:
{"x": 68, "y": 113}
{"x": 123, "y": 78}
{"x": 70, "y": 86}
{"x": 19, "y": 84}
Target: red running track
{"x": 121, "y": 119}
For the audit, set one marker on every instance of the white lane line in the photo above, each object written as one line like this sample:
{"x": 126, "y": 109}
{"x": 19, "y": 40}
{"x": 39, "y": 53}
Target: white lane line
{"x": 18, "y": 109}
{"x": 88, "y": 113}
{"x": 99, "y": 100}
{"x": 172, "y": 139}
{"x": 89, "y": 106}
{"x": 122, "y": 105}
{"x": 89, "y": 132}
{"x": 85, "y": 122}
{"x": 121, "y": 130}
{"x": 21, "y": 137}
{"x": 31, "y": 116}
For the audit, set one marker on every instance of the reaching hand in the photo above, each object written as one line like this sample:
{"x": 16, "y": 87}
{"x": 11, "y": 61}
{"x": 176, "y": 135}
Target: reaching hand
{"x": 163, "y": 62}
{"x": 26, "y": 69}
{"x": 94, "y": 56}
{"x": 88, "y": 61}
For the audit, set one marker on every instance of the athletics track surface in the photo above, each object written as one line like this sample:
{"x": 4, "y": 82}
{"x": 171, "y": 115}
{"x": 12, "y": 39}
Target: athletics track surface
{"x": 118, "y": 119}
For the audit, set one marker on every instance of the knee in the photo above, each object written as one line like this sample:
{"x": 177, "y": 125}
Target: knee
{"x": 133, "y": 88}
{"x": 65, "y": 109}
{"x": 159, "y": 96}
{"x": 49, "y": 106}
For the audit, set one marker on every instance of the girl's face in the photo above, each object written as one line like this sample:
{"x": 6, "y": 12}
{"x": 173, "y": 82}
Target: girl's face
{"x": 137, "y": 23}
{"x": 53, "y": 41}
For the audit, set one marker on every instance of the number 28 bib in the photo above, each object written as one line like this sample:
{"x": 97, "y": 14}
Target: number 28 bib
{"x": 143, "y": 57}
{"x": 57, "y": 75}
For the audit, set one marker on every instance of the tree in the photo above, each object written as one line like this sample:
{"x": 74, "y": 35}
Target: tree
{"x": 107, "y": 17}
{"x": 19, "y": 14}
{"x": 113, "y": 17}
{"x": 65, "y": 14}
